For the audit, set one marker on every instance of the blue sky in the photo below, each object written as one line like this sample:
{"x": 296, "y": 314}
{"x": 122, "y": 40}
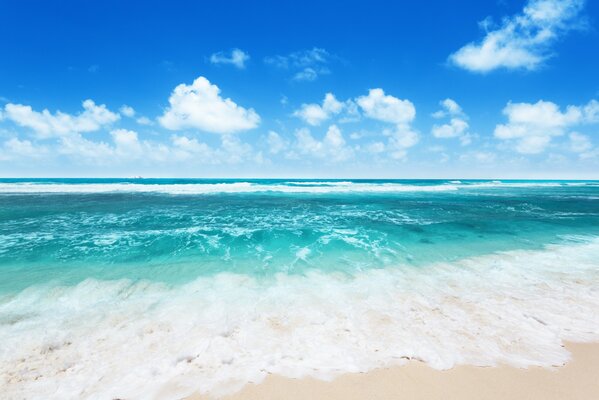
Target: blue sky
{"x": 479, "y": 89}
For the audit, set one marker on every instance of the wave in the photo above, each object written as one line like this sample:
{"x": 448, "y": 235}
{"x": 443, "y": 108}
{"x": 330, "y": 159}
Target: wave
{"x": 131, "y": 339}
{"x": 211, "y": 188}
{"x": 280, "y": 187}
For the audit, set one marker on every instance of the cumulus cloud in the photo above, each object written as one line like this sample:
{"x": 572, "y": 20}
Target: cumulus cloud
{"x": 377, "y": 105}
{"x": 449, "y": 107}
{"x": 46, "y": 125}
{"x": 315, "y": 114}
{"x": 307, "y": 65}
{"x": 532, "y": 126}
{"x": 386, "y": 108}
{"x": 200, "y": 106}
{"x": 332, "y": 147}
{"x": 522, "y": 41}
{"x": 235, "y": 57}
{"x": 456, "y": 127}
{"x": 127, "y": 111}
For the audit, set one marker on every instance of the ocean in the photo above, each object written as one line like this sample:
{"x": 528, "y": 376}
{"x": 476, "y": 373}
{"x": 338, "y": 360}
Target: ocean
{"x": 120, "y": 288}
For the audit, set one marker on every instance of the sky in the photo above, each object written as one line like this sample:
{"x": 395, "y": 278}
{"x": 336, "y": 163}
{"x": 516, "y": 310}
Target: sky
{"x": 311, "y": 89}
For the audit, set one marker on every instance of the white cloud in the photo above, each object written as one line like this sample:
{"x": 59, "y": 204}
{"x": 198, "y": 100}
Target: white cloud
{"x": 307, "y": 74}
{"x": 315, "y": 114}
{"x": 14, "y": 149}
{"x": 200, "y": 106}
{"x": 522, "y": 41}
{"x": 580, "y": 143}
{"x": 457, "y": 127}
{"x": 46, "y": 125}
{"x": 126, "y": 143}
{"x": 130, "y": 112}
{"x": 307, "y": 64}
{"x": 386, "y": 108}
{"x": 276, "y": 143}
{"x": 127, "y": 111}
{"x": 126, "y": 147}
{"x": 376, "y": 105}
{"x": 591, "y": 111}
{"x": 144, "y": 121}
{"x": 236, "y": 57}
{"x": 448, "y": 107}
{"x": 532, "y": 126}
{"x": 332, "y": 147}
{"x": 400, "y": 140}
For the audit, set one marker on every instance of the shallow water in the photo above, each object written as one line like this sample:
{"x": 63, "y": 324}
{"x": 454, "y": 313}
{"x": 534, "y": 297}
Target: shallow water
{"x": 117, "y": 287}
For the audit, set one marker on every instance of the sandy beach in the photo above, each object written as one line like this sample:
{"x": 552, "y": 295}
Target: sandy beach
{"x": 578, "y": 379}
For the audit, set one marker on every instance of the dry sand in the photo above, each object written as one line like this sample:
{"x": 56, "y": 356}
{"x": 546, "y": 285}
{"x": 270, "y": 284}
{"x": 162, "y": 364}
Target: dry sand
{"x": 579, "y": 379}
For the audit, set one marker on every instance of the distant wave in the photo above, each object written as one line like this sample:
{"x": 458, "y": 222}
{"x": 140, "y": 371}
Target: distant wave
{"x": 282, "y": 187}
{"x": 208, "y": 188}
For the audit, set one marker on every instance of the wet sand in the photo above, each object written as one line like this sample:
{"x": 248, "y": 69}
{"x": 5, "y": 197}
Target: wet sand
{"x": 578, "y": 379}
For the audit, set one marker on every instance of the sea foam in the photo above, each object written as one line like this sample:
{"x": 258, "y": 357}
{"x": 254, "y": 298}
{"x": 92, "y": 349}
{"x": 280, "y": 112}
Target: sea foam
{"x": 125, "y": 339}
{"x": 292, "y": 186}
{"x": 217, "y": 188}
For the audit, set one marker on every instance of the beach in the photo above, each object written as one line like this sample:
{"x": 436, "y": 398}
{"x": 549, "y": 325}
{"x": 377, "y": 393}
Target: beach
{"x": 165, "y": 288}
{"x": 577, "y": 380}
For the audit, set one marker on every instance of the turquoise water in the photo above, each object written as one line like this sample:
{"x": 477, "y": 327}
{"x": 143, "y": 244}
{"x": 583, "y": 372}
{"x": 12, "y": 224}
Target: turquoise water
{"x": 67, "y": 230}
{"x": 152, "y": 288}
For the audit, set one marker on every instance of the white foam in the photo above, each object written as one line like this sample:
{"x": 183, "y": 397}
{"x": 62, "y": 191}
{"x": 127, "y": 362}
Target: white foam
{"x": 118, "y": 339}
{"x": 210, "y": 188}
{"x": 318, "y": 183}
{"x": 283, "y": 187}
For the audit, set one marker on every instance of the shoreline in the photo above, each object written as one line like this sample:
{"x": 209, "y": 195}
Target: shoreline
{"x": 577, "y": 379}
